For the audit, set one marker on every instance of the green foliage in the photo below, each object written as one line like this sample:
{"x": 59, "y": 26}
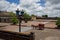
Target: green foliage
{"x": 45, "y": 16}
{"x": 12, "y": 14}
{"x": 14, "y": 18}
{"x": 58, "y": 21}
{"x": 26, "y": 17}
{"x": 32, "y": 15}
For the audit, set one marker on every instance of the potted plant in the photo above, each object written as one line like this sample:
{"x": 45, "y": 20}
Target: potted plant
{"x": 58, "y": 23}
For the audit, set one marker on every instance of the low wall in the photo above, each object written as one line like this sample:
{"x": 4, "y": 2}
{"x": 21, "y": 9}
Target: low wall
{"x": 15, "y": 36}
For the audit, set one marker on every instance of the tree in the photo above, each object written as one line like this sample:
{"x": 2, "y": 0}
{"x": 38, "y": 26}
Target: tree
{"x": 45, "y": 16}
{"x": 14, "y": 18}
{"x": 26, "y": 17}
{"x": 12, "y": 14}
{"x": 32, "y": 15}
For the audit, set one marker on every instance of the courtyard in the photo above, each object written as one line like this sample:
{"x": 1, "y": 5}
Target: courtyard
{"x": 26, "y": 26}
{"x": 49, "y": 33}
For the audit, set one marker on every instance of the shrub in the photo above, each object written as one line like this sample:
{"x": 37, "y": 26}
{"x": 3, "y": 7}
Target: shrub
{"x": 14, "y": 20}
{"x": 58, "y": 23}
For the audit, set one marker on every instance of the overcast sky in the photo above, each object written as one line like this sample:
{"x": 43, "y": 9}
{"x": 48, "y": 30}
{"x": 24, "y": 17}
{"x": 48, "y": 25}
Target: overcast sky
{"x": 37, "y": 7}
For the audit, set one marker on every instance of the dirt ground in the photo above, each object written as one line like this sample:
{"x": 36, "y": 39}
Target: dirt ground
{"x": 47, "y": 24}
{"x": 46, "y": 34}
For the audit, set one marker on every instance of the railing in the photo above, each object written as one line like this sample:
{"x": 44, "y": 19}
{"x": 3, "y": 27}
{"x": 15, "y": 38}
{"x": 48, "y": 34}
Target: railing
{"x": 15, "y": 36}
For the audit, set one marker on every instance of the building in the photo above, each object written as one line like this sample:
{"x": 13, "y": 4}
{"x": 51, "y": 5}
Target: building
{"x": 5, "y": 16}
{"x": 33, "y": 17}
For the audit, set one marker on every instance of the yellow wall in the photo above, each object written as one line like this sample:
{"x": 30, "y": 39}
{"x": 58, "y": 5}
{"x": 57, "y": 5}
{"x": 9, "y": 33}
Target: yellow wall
{"x": 33, "y": 18}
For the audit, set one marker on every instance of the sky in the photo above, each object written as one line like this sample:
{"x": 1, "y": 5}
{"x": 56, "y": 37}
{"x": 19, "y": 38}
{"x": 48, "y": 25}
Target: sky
{"x": 13, "y": 1}
{"x": 36, "y": 7}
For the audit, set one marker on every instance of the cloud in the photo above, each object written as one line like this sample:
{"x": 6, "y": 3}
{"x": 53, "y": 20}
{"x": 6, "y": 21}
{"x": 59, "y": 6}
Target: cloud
{"x": 32, "y": 7}
{"x": 51, "y": 8}
{"x": 12, "y": 7}
{"x": 54, "y": 1}
{"x": 6, "y": 6}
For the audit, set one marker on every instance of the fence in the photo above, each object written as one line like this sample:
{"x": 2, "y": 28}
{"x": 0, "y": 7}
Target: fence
{"x": 15, "y": 36}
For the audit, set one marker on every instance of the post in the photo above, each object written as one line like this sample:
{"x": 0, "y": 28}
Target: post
{"x": 19, "y": 18}
{"x": 19, "y": 25}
